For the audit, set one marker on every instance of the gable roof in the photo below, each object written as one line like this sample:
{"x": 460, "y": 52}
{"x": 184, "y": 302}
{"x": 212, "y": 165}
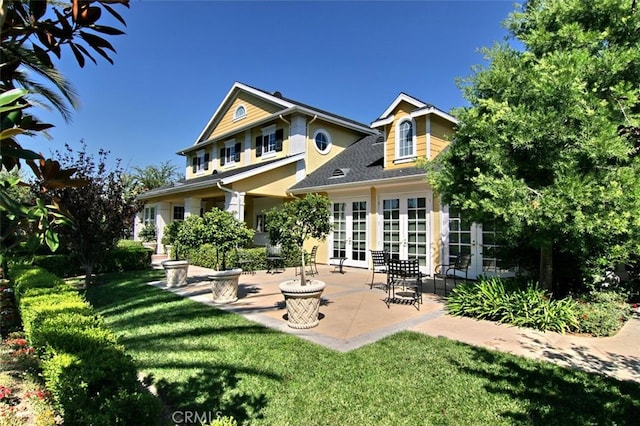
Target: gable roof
{"x": 421, "y": 108}
{"x": 287, "y": 106}
{"x": 362, "y": 161}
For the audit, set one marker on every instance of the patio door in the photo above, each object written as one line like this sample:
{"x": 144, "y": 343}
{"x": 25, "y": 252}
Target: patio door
{"x": 350, "y": 233}
{"x": 478, "y": 240}
{"x": 406, "y": 228}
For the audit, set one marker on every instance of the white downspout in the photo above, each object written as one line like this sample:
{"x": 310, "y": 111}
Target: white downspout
{"x": 239, "y": 197}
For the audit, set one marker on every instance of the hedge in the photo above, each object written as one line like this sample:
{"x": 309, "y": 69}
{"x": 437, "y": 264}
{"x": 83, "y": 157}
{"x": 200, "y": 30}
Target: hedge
{"x": 91, "y": 378}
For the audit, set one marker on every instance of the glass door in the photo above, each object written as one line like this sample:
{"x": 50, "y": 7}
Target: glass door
{"x": 350, "y": 233}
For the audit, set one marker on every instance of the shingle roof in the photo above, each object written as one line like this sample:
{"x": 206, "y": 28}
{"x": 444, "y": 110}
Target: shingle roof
{"x": 362, "y": 161}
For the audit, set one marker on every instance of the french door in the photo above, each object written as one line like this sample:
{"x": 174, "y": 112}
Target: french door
{"x": 350, "y": 233}
{"x": 478, "y": 240}
{"x": 405, "y": 228}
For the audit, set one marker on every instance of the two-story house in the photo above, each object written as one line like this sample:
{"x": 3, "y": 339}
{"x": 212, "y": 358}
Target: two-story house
{"x": 260, "y": 148}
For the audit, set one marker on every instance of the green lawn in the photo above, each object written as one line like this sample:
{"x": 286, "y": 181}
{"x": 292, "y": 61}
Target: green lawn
{"x": 206, "y": 360}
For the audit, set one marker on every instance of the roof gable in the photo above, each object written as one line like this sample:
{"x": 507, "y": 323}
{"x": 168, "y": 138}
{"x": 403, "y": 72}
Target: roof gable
{"x": 403, "y": 97}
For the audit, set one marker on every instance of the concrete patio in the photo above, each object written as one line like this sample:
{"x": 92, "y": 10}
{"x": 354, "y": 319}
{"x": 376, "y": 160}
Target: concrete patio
{"x": 353, "y": 315}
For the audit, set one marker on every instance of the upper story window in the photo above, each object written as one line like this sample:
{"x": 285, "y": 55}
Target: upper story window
{"x": 200, "y": 162}
{"x": 270, "y": 142}
{"x": 240, "y": 112}
{"x": 322, "y": 141}
{"x": 405, "y": 140}
{"x": 230, "y": 154}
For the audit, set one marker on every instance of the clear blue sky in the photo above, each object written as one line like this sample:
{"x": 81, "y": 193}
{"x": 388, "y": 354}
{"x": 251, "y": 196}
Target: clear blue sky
{"x": 180, "y": 58}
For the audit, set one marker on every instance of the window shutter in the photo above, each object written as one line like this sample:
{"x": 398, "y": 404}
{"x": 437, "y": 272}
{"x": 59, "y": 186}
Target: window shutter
{"x": 222, "y": 156}
{"x": 236, "y": 157}
{"x": 279, "y": 137}
{"x": 206, "y": 161}
{"x": 194, "y": 164}
{"x": 259, "y": 146}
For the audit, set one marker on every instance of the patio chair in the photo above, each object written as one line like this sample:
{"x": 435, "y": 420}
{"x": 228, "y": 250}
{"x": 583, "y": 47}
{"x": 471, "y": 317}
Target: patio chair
{"x": 274, "y": 258}
{"x": 244, "y": 262}
{"x": 379, "y": 260}
{"x": 311, "y": 259}
{"x": 404, "y": 283}
{"x": 452, "y": 272}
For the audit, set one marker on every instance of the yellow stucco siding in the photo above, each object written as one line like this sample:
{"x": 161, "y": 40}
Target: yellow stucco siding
{"x": 340, "y": 139}
{"x": 272, "y": 183}
{"x": 256, "y": 109}
{"x": 441, "y": 135}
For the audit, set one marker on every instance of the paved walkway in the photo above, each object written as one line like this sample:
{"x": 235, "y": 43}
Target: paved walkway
{"x": 353, "y": 315}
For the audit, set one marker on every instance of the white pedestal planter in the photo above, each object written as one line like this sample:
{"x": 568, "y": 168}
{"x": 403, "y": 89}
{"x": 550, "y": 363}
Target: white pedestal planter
{"x": 176, "y": 272}
{"x": 303, "y": 302}
{"x": 224, "y": 285}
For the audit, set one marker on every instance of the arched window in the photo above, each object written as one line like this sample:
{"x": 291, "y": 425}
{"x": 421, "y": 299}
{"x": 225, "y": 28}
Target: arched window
{"x": 405, "y": 139}
{"x": 240, "y": 113}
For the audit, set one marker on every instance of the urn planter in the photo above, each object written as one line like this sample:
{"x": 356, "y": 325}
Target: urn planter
{"x": 303, "y": 302}
{"x": 224, "y": 285}
{"x": 176, "y": 272}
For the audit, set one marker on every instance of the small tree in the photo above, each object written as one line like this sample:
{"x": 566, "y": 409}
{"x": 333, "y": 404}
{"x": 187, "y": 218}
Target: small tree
{"x": 216, "y": 227}
{"x": 100, "y": 210}
{"x": 170, "y": 235}
{"x": 299, "y": 220}
{"x": 148, "y": 233}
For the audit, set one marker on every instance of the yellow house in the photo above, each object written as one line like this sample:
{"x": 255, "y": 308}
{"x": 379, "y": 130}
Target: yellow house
{"x": 260, "y": 148}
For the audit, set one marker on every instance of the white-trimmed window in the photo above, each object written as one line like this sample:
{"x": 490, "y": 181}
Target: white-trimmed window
{"x": 149, "y": 216}
{"x": 200, "y": 162}
{"x": 270, "y": 142}
{"x": 322, "y": 141}
{"x": 230, "y": 154}
{"x": 240, "y": 112}
{"x": 178, "y": 213}
{"x": 405, "y": 139}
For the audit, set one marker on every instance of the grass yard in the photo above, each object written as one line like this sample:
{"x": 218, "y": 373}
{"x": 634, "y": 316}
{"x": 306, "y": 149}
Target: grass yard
{"x": 209, "y": 361}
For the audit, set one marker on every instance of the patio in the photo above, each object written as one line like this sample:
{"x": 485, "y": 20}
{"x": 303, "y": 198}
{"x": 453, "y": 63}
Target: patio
{"x": 353, "y": 315}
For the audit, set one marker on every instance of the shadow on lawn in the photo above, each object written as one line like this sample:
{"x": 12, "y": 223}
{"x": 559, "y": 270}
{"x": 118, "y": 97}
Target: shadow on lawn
{"x": 554, "y": 395}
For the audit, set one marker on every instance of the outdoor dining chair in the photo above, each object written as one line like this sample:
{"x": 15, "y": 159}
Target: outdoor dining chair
{"x": 274, "y": 258}
{"x": 379, "y": 263}
{"x": 404, "y": 283}
{"x": 452, "y": 272}
{"x": 313, "y": 266}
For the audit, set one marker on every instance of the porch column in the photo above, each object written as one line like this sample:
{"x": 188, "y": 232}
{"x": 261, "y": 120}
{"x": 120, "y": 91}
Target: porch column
{"x": 163, "y": 218}
{"x": 192, "y": 206}
{"x": 234, "y": 202}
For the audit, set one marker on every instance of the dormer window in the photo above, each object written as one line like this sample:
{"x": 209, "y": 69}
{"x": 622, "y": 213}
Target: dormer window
{"x": 241, "y": 112}
{"x": 405, "y": 140}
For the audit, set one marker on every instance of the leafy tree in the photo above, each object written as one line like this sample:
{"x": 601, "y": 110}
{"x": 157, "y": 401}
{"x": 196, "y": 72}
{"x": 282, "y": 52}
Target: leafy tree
{"x": 155, "y": 176}
{"x": 538, "y": 150}
{"x": 101, "y": 210}
{"x": 30, "y": 33}
{"x": 298, "y": 220}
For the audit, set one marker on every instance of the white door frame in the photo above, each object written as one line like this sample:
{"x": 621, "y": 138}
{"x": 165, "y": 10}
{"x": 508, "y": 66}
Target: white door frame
{"x": 362, "y": 255}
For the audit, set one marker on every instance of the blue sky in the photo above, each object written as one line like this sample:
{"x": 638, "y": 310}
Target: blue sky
{"x": 180, "y": 58}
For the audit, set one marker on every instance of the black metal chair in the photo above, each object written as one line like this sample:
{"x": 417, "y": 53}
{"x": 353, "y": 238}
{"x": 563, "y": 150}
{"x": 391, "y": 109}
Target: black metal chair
{"x": 274, "y": 258}
{"x": 404, "y": 282}
{"x": 379, "y": 260}
{"x": 311, "y": 259}
{"x": 452, "y": 272}
{"x": 244, "y": 262}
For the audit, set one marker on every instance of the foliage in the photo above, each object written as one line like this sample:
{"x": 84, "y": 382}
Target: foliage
{"x": 511, "y": 302}
{"x": 538, "y": 150}
{"x": 169, "y": 235}
{"x": 602, "y": 313}
{"x": 193, "y": 347}
{"x": 30, "y": 32}
{"x": 148, "y": 233}
{"x": 206, "y": 256}
{"x": 217, "y": 227}
{"x": 298, "y": 220}
{"x": 155, "y": 176}
{"x": 101, "y": 210}
{"x": 91, "y": 378}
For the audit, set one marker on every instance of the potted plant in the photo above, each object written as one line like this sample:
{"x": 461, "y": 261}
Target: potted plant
{"x": 291, "y": 226}
{"x": 225, "y": 233}
{"x": 176, "y": 269}
{"x": 148, "y": 236}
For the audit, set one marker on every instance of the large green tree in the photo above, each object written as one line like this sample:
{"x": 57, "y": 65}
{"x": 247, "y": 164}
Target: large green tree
{"x": 538, "y": 151}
